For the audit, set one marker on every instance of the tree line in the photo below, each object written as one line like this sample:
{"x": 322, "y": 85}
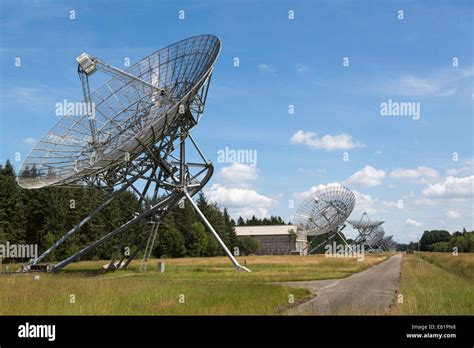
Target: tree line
{"x": 443, "y": 241}
{"x": 272, "y": 220}
{"x": 42, "y": 216}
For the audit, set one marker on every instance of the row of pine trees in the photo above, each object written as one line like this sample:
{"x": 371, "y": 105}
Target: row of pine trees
{"x": 42, "y": 216}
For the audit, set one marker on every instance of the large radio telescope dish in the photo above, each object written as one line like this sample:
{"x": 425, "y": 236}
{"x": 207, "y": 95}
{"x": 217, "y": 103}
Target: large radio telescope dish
{"x": 370, "y": 231}
{"x": 325, "y": 210}
{"x": 133, "y": 135}
{"x": 376, "y": 237}
{"x": 128, "y": 113}
{"x": 388, "y": 243}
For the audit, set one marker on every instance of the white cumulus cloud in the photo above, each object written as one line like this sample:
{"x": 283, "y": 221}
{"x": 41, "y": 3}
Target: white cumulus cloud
{"x": 240, "y": 201}
{"x": 365, "y": 203}
{"x": 466, "y": 169}
{"x": 367, "y": 176}
{"x": 451, "y": 187}
{"x": 314, "y": 189}
{"x": 439, "y": 84}
{"x": 411, "y": 222}
{"x": 451, "y": 214}
{"x": 326, "y": 142}
{"x": 238, "y": 174}
{"x": 248, "y": 212}
{"x": 417, "y": 173}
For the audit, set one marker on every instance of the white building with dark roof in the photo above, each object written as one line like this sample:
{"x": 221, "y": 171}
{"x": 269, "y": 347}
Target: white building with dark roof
{"x": 275, "y": 239}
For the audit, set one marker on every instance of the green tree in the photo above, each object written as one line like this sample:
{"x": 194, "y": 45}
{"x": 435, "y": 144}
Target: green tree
{"x": 470, "y": 240}
{"x": 230, "y": 229}
{"x": 216, "y": 219}
{"x": 254, "y": 221}
{"x": 213, "y": 248}
{"x": 171, "y": 243}
{"x": 12, "y": 209}
{"x": 441, "y": 246}
{"x": 196, "y": 240}
{"x": 431, "y": 237}
{"x": 460, "y": 242}
{"x": 248, "y": 245}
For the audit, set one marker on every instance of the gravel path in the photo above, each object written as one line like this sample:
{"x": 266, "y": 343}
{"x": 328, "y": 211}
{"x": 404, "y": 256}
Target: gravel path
{"x": 368, "y": 292}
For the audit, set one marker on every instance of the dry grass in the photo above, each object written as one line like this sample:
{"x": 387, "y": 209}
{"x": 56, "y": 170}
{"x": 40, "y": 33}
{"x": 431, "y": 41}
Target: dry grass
{"x": 264, "y": 268}
{"x": 51, "y": 295}
{"x": 209, "y": 285}
{"x": 429, "y": 289}
{"x": 461, "y": 264}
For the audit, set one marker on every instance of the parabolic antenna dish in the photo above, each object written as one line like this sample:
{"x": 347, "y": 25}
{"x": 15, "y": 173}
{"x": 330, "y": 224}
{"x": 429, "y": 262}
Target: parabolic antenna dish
{"x": 367, "y": 229}
{"x": 135, "y": 136}
{"x": 365, "y": 224}
{"x": 123, "y": 117}
{"x": 376, "y": 236}
{"x": 325, "y": 210}
{"x": 388, "y": 242}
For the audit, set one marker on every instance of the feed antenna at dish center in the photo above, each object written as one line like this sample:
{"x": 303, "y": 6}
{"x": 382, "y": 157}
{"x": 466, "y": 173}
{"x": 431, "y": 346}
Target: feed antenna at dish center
{"x": 135, "y": 135}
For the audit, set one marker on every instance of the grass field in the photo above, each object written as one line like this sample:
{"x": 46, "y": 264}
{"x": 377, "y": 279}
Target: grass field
{"x": 461, "y": 264}
{"x": 190, "y": 286}
{"x": 436, "y": 284}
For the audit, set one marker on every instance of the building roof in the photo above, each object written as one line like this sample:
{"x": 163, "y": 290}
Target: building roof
{"x": 264, "y": 230}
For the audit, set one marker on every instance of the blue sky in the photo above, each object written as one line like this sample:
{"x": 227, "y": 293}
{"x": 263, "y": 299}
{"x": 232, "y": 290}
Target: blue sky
{"x": 283, "y": 62}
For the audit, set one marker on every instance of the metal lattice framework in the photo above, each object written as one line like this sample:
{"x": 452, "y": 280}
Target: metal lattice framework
{"x": 324, "y": 212}
{"x": 388, "y": 244}
{"x": 368, "y": 231}
{"x": 135, "y": 135}
{"x": 125, "y": 116}
{"x": 374, "y": 240}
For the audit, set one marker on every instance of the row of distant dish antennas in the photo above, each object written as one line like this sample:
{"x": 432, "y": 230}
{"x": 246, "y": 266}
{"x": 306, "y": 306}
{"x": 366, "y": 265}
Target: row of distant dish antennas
{"x": 372, "y": 235}
{"x": 326, "y": 210}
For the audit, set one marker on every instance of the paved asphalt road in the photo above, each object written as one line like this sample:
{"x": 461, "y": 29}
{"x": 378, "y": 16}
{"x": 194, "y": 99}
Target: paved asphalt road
{"x": 369, "y": 292}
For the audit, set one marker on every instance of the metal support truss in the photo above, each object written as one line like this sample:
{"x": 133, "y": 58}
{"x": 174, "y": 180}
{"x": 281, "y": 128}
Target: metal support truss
{"x": 172, "y": 179}
{"x": 330, "y": 236}
{"x": 367, "y": 229}
{"x": 221, "y": 243}
{"x": 328, "y": 239}
{"x": 133, "y": 138}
